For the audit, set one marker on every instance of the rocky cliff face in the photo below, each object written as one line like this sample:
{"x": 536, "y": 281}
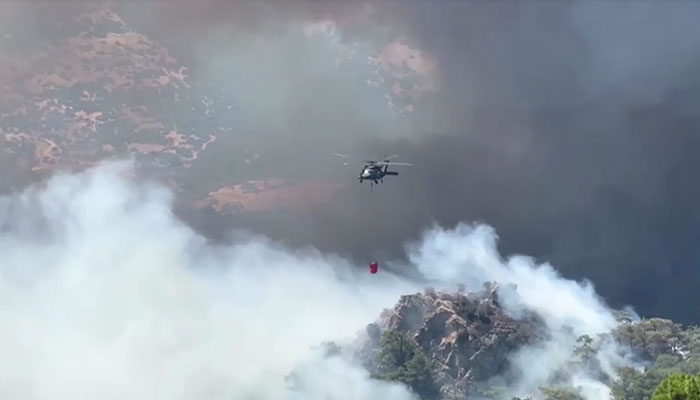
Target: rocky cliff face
{"x": 467, "y": 338}
{"x": 452, "y": 345}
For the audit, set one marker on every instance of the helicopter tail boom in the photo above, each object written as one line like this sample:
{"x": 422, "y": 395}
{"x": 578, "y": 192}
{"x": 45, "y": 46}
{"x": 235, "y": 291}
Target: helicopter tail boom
{"x": 393, "y": 173}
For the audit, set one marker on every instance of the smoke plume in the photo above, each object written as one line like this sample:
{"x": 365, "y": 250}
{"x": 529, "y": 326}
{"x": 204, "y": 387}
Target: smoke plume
{"x": 569, "y": 309}
{"x": 569, "y": 126}
{"x": 581, "y": 114}
{"x": 105, "y": 294}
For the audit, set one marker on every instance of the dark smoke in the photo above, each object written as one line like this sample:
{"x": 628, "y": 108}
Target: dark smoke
{"x": 571, "y": 127}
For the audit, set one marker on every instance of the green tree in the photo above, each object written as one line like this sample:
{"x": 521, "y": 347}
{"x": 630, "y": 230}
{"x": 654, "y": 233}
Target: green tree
{"x": 678, "y": 387}
{"x": 402, "y": 360}
{"x": 651, "y": 337}
{"x": 632, "y": 384}
{"x": 691, "y": 340}
{"x": 396, "y": 349}
{"x": 419, "y": 376}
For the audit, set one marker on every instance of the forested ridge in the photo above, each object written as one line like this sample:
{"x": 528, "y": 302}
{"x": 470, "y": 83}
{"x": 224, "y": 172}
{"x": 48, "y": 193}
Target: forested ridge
{"x": 410, "y": 348}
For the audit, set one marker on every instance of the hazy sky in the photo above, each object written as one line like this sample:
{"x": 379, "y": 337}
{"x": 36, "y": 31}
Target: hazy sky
{"x": 570, "y": 127}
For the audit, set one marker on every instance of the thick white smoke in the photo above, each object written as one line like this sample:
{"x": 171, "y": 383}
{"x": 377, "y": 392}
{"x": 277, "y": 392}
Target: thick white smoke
{"x": 468, "y": 254}
{"x": 105, "y": 294}
{"x": 108, "y": 296}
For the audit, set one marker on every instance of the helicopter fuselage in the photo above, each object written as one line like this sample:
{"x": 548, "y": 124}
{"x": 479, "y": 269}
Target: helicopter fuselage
{"x": 375, "y": 173}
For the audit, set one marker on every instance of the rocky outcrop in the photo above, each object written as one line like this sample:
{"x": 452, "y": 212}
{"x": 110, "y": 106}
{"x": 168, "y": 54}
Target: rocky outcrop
{"x": 467, "y": 337}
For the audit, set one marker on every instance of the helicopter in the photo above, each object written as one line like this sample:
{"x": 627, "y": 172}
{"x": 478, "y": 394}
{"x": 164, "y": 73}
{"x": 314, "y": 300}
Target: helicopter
{"x": 375, "y": 171}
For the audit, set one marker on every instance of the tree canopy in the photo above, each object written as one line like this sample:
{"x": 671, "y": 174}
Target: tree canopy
{"x": 402, "y": 360}
{"x": 678, "y": 387}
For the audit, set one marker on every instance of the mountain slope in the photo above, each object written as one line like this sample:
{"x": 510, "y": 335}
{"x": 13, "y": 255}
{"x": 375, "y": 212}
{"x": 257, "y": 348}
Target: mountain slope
{"x": 460, "y": 345}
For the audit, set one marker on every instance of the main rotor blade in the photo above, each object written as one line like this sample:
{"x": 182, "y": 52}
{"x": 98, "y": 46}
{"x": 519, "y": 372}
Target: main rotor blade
{"x": 345, "y": 156}
{"x": 395, "y": 163}
{"x": 375, "y": 162}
